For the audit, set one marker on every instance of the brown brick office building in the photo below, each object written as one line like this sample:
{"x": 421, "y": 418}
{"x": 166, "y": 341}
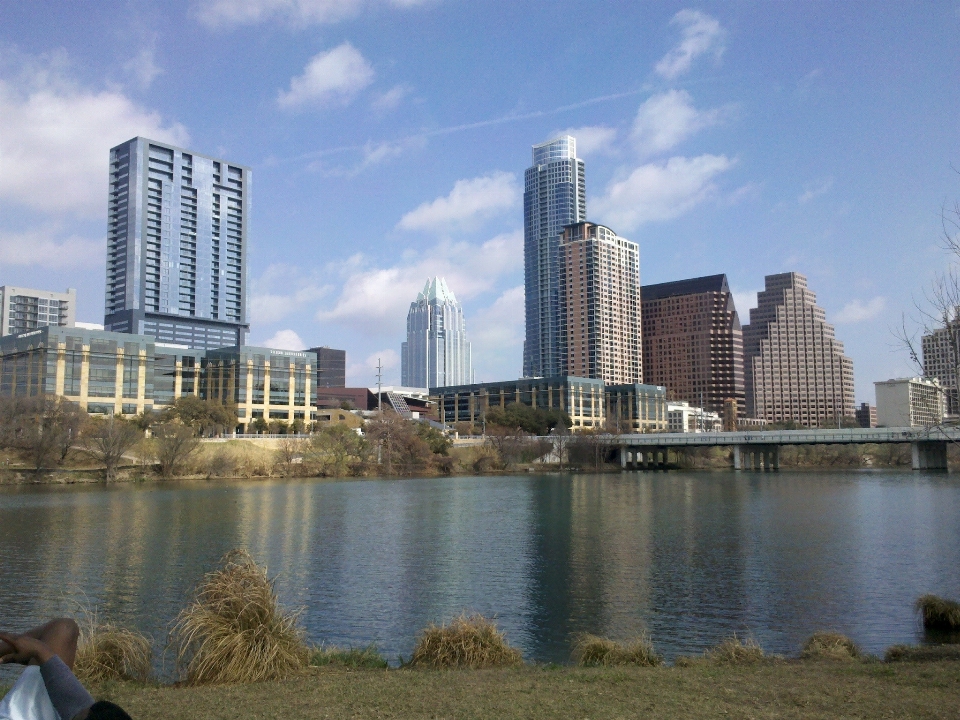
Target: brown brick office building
{"x": 693, "y": 343}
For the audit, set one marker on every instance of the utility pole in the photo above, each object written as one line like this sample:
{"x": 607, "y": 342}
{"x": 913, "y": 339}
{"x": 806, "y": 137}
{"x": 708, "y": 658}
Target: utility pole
{"x": 379, "y": 388}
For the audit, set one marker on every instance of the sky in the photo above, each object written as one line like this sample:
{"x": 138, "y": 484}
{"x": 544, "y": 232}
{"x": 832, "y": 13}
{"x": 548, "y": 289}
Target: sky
{"x": 388, "y": 141}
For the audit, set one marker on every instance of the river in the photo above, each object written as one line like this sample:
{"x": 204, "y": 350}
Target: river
{"x": 690, "y": 557}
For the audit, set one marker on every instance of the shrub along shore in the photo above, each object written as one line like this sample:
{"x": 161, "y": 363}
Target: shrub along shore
{"x": 237, "y": 651}
{"x": 49, "y": 439}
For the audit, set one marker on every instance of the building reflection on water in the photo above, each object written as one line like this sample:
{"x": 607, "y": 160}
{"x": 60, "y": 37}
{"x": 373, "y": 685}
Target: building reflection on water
{"x": 688, "y": 557}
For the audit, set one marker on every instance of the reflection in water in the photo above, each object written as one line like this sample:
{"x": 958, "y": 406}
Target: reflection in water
{"x": 689, "y": 557}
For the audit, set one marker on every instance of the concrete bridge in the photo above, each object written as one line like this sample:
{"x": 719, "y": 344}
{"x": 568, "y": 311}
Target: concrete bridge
{"x": 760, "y": 450}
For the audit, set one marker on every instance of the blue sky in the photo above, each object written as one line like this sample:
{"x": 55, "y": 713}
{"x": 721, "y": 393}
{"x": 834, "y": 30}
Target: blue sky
{"x": 388, "y": 140}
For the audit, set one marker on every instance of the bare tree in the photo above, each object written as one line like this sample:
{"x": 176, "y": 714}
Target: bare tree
{"x": 937, "y": 316}
{"x": 175, "y": 445}
{"x": 107, "y": 440}
{"x": 43, "y": 428}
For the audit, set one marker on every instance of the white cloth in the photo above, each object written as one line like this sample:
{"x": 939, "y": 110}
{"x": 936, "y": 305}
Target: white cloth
{"x": 28, "y": 698}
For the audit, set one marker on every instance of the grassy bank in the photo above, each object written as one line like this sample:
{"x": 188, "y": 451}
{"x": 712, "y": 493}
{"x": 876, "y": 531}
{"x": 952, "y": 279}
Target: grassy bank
{"x": 788, "y": 690}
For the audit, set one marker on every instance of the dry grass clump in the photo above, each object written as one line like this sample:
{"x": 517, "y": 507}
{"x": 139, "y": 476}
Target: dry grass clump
{"x": 734, "y": 651}
{"x": 830, "y": 646}
{"x": 594, "y": 651}
{"x": 467, "y": 642}
{"x": 922, "y": 653}
{"x": 358, "y": 658}
{"x": 107, "y": 652}
{"x": 938, "y": 613}
{"x": 235, "y": 630}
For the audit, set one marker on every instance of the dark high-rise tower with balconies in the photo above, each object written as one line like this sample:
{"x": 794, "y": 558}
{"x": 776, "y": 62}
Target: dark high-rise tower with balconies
{"x": 177, "y": 224}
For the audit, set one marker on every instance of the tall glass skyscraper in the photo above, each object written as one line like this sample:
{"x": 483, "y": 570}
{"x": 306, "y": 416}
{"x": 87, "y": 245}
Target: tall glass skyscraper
{"x": 177, "y": 245}
{"x": 553, "y": 196}
{"x": 437, "y": 352}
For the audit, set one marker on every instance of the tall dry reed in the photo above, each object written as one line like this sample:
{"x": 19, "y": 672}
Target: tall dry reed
{"x": 235, "y": 631}
{"x": 939, "y": 613}
{"x": 594, "y": 651}
{"x": 107, "y": 652}
{"x": 734, "y": 651}
{"x": 467, "y": 642}
{"x": 827, "y": 645}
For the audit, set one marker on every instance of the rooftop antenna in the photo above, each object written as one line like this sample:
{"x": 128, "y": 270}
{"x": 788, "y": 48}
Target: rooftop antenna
{"x": 379, "y": 387}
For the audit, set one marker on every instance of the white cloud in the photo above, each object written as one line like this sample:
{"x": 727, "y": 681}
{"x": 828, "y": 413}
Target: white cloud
{"x": 591, "y": 139}
{"x": 298, "y": 12}
{"x": 280, "y": 291}
{"x": 699, "y": 34}
{"x": 334, "y": 76}
{"x": 285, "y": 340}
{"x": 55, "y": 139}
{"x": 144, "y": 68}
{"x": 659, "y": 191}
{"x": 665, "y": 120}
{"x": 468, "y": 203}
{"x": 744, "y": 300}
{"x": 815, "y": 190}
{"x": 376, "y": 299}
{"x": 391, "y": 99}
{"x": 364, "y": 373}
{"x": 47, "y": 248}
{"x": 497, "y": 334}
{"x": 857, "y": 311}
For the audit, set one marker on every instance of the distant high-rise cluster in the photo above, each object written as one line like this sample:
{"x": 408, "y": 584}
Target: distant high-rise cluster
{"x": 177, "y": 245}
{"x": 795, "y": 366}
{"x": 437, "y": 352}
{"x": 587, "y": 316}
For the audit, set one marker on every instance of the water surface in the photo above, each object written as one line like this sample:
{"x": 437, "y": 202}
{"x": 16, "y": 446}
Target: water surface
{"x": 690, "y": 557}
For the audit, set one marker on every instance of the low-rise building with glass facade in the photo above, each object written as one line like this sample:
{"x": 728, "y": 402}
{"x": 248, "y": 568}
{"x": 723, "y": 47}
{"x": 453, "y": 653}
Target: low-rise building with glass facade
{"x": 123, "y": 374}
{"x": 588, "y": 401}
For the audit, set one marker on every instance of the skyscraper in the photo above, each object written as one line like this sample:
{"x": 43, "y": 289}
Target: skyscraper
{"x": 693, "y": 343}
{"x": 599, "y": 305}
{"x": 177, "y": 225}
{"x": 437, "y": 352}
{"x": 941, "y": 350}
{"x": 553, "y": 197}
{"x": 794, "y": 366}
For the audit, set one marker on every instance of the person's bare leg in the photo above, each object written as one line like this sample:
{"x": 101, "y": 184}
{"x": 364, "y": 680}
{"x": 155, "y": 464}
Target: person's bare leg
{"x": 60, "y": 635}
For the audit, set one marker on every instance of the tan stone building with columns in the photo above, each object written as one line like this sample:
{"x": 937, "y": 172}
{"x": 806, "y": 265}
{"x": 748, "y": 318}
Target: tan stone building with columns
{"x": 123, "y": 374}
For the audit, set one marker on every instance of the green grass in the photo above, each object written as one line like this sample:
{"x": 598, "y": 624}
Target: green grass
{"x": 783, "y": 690}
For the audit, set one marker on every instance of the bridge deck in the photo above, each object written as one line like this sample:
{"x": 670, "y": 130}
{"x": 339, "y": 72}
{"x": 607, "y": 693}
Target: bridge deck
{"x": 817, "y": 436}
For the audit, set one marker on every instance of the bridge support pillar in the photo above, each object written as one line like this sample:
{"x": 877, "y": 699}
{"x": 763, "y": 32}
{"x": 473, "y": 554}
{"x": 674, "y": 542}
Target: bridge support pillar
{"x": 736, "y": 457}
{"x": 757, "y": 459}
{"x": 929, "y": 455}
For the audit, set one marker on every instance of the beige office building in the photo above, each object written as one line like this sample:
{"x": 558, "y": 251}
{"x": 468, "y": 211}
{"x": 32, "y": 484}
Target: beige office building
{"x": 794, "y": 367}
{"x": 25, "y": 309}
{"x": 941, "y": 348}
{"x": 909, "y": 402}
{"x": 600, "y": 305}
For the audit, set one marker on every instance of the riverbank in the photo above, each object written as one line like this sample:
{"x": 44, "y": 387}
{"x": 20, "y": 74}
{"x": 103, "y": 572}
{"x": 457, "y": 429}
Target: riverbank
{"x": 783, "y": 690}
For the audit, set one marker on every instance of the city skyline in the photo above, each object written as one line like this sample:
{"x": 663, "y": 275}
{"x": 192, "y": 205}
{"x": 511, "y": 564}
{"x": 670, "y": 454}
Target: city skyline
{"x": 681, "y": 121}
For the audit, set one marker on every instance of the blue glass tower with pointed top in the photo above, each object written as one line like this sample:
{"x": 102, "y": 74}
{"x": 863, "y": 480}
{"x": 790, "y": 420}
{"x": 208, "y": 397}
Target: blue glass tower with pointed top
{"x": 437, "y": 352}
